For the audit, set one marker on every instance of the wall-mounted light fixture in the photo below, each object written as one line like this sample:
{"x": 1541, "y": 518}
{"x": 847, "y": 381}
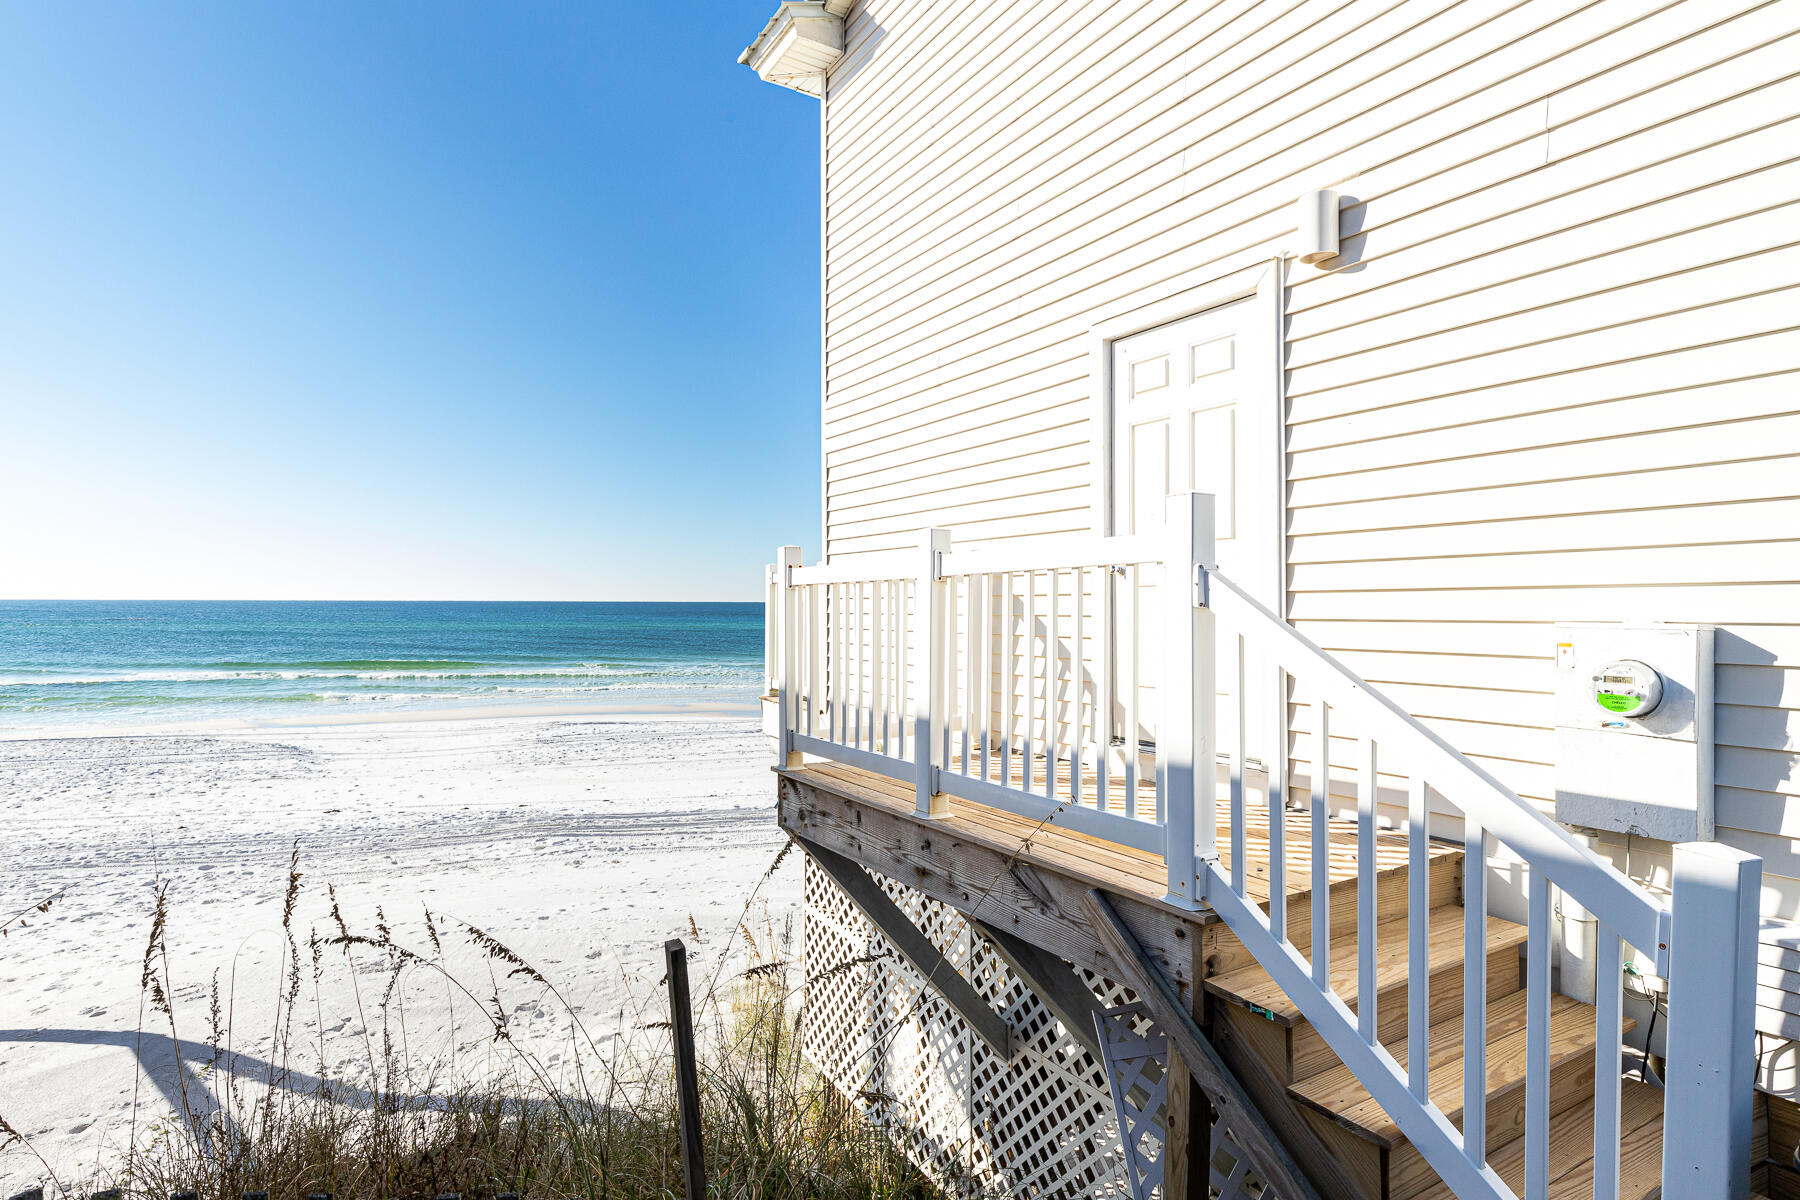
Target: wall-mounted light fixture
{"x": 1316, "y": 214}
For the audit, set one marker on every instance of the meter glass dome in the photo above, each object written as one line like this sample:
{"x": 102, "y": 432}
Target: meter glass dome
{"x": 1627, "y": 688}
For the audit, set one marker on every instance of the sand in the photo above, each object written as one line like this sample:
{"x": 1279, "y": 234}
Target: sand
{"x": 581, "y": 841}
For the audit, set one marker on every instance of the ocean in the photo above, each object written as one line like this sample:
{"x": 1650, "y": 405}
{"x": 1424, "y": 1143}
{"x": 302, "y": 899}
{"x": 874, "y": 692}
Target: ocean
{"x": 121, "y": 663}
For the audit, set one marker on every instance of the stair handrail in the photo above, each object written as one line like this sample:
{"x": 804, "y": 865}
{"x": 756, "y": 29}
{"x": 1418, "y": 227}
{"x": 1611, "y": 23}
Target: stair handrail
{"x": 1568, "y": 862}
{"x": 1703, "y": 941}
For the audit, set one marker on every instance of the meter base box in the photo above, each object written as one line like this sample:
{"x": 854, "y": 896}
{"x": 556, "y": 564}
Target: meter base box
{"x": 1650, "y": 776}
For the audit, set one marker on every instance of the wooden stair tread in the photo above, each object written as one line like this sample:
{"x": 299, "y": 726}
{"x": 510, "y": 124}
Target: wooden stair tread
{"x": 1338, "y": 1094}
{"x": 1253, "y": 988}
{"x": 1572, "y": 1150}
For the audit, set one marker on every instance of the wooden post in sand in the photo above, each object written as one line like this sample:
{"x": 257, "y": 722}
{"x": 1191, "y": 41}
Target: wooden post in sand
{"x": 687, "y": 1074}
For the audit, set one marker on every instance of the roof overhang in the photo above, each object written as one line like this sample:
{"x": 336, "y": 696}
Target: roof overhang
{"x": 799, "y": 44}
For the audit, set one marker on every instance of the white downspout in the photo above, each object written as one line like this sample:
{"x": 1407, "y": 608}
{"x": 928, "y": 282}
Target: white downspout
{"x": 1579, "y": 944}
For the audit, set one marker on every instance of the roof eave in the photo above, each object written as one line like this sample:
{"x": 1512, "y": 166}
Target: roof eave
{"x": 801, "y": 42}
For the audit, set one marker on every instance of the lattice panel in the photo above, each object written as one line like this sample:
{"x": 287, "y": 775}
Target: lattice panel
{"x": 1040, "y": 1126}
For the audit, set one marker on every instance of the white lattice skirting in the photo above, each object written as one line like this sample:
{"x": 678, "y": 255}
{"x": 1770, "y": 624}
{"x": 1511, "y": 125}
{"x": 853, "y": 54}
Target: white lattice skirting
{"x": 1042, "y": 1125}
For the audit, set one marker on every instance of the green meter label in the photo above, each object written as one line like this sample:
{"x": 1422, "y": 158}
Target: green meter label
{"x": 1613, "y": 702}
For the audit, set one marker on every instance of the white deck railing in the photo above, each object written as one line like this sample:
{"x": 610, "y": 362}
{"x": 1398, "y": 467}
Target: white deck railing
{"x": 1109, "y": 684}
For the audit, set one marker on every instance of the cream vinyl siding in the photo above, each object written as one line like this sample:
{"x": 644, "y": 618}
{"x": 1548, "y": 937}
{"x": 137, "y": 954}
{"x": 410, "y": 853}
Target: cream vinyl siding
{"x": 1553, "y": 375}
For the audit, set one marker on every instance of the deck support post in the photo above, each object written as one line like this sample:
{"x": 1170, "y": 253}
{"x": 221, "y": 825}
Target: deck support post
{"x": 897, "y": 928}
{"x": 1132, "y": 966}
{"x": 929, "y": 695}
{"x": 1188, "y": 1172}
{"x": 1184, "y": 741}
{"x": 1709, "y": 1097}
{"x": 787, "y": 657}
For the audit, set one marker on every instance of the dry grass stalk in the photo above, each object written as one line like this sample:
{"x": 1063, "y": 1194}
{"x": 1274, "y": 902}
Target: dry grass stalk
{"x": 598, "y": 1125}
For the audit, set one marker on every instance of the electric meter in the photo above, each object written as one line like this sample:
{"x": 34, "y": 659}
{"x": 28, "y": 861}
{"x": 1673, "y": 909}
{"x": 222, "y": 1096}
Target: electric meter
{"x": 1634, "y": 743}
{"x": 1627, "y": 687}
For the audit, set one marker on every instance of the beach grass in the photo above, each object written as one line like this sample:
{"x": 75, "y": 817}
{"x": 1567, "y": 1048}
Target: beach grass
{"x": 583, "y": 1122}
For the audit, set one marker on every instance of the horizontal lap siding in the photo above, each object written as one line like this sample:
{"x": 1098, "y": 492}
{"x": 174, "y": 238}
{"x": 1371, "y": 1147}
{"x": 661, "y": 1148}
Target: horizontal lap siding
{"x": 1561, "y": 381}
{"x": 1554, "y": 376}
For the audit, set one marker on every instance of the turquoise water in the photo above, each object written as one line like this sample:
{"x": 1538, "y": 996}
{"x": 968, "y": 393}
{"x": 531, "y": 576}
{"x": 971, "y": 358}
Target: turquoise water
{"x": 92, "y": 662}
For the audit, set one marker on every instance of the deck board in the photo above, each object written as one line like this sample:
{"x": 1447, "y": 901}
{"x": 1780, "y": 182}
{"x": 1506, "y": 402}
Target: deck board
{"x": 1112, "y": 864}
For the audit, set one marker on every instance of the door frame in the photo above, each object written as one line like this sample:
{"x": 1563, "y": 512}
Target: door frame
{"x": 1265, "y": 281}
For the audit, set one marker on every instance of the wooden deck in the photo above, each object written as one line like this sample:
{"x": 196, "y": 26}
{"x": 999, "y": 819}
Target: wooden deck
{"x": 1111, "y": 864}
{"x": 1029, "y": 876}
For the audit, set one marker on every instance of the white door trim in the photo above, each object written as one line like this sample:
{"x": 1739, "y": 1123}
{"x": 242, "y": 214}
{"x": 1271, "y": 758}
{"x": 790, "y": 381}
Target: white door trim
{"x": 1262, "y": 280}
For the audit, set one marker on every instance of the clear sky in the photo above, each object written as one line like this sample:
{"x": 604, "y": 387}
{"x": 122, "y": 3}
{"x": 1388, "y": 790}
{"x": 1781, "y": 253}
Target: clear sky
{"x": 402, "y": 299}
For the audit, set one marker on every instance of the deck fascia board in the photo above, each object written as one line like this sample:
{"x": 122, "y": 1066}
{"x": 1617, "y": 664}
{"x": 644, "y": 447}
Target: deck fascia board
{"x": 1027, "y": 884}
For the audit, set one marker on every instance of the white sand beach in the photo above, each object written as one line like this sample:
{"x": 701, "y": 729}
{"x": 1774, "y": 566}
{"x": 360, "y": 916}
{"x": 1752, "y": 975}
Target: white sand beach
{"x": 580, "y": 841}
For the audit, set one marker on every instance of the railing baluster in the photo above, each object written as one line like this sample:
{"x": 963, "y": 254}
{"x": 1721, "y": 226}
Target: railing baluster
{"x": 848, "y": 667}
{"x": 952, "y": 692}
{"x": 928, "y": 694}
{"x": 1418, "y": 940}
{"x": 1053, "y": 695}
{"x": 1076, "y": 663}
{"x": 985, "y": 668}
{"x": 788, "y": 657}
{"x": 971, "y": 684}
{"x": 1128, "y": 659}
{"x": 898, "y": 675}
{"x": 1475, "y": 854}
{"x": 873, "y": 638}
{"x": 1537, "y": 1036}
{"x": 1608, "y": 1031}
{"x": 1367, "y": 909}
{"x": 771, "y": 597}
{"x": 1030, "y": 673}
{"x": 801, "y": 665}
{"x": 853, "y": 660}
{"x": 902, "y": 619}
{"x": 852, "y": 665}
{"x": 897, "y": 664}
{"x": 1239, "y": 754}
{"x": 834, "y": 663}
{"x": 856, "y": 649}
{"x": 878, "y": 715}
{"x": 812, "y": 656}
{"x": 1321, "y": 844}
{"x": 1278, "y": 765}
{"x": 903, "y": 682}
{"x": 1007, "y": 674}
{"x": 1102, "y": 704}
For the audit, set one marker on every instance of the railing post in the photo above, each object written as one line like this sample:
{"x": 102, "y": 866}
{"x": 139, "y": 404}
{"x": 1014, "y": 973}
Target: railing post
{"x": 1184, "y": 740}
{"x": 771, "y": 620}
{"x": 1708, "y": 1101}
{"x": 928, "y": 696}
{"x": 787, "y": 656}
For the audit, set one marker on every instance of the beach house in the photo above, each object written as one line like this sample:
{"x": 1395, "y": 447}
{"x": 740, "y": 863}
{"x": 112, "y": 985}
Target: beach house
{"x": 1299, "y": 693}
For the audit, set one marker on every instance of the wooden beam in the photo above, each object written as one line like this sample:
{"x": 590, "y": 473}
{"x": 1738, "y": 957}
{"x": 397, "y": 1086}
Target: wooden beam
{"x": 1053, "y": 980}
{"x": 1061, "y": 990}
{"x": 1187, "y": 1175}
{"x": 1009, "y": 882}
{"x": 914, "y": 946}
{"x": 1247, "y": 1123}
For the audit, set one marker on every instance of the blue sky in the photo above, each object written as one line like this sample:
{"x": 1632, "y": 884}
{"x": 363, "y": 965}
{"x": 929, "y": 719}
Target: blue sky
{"x": 402, "y": 300}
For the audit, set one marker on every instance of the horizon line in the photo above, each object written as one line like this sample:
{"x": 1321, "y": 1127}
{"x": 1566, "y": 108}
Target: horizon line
{"x": 323, "y": 600}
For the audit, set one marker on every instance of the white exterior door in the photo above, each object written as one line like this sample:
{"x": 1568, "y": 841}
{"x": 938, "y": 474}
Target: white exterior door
{"x": 1194, "y": 410}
